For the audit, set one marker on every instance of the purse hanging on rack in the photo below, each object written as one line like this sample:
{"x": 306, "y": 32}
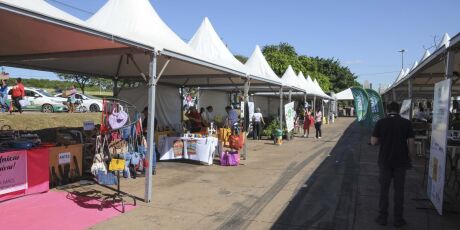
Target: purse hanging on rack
{"x": 118, "y": 118}
{"x": 104, "y": 127}
{"x": 98, "y": 159}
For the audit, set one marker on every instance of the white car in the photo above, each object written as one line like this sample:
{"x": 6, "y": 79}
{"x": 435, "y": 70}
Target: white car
{"x": 88, "y": 103}
{"x": 41, "y": 100}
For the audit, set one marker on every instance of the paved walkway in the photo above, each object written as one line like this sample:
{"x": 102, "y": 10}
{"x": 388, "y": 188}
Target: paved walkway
{"x": 304, "y": 184}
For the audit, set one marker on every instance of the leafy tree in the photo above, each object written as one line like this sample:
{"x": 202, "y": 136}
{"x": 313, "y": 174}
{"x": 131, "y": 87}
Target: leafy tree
{"x": 243, "y": 59}
{"x": 331, "y": 75}
{"x": 81, "y": 80}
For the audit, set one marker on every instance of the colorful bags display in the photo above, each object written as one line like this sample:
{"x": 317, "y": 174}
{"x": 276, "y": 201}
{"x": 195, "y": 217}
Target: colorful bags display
{"x": 230, "y": 158}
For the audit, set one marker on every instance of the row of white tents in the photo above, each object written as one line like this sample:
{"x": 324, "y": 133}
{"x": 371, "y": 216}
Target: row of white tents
{"x": 127, "y": 40}
{"x": 146, "y": 27}
{"x": 418, "y": 81}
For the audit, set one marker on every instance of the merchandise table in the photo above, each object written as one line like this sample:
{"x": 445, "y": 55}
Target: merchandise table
{"x": 23, "y": 172}
{"x": 197, "y": 149}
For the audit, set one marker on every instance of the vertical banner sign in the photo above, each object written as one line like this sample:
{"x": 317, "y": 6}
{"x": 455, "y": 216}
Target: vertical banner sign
{"x": 13, "y": 171}
{"x": 375, "y": 107}
{"x": 289, "y": 114}
{"x": 361, "y": 103}
{"x": 438, "y": 150}
{"x": 405, "y": 109}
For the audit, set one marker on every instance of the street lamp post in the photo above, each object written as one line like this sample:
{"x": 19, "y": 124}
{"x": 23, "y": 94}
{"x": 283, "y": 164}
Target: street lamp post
{"x": 402, "y": 57}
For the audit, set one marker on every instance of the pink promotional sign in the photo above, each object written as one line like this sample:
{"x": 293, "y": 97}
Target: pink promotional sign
{"x": 13, "y": 171}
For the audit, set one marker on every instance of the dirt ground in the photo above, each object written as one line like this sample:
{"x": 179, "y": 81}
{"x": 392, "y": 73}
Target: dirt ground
{"x": 330, "y": 183}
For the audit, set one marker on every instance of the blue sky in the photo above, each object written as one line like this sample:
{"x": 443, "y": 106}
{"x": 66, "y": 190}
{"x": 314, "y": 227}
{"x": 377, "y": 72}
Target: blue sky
{"x": 365, "y": 34}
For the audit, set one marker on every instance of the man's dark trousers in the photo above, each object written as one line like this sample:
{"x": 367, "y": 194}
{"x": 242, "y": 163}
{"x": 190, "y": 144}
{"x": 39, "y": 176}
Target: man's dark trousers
{"x": 399, "y": 176}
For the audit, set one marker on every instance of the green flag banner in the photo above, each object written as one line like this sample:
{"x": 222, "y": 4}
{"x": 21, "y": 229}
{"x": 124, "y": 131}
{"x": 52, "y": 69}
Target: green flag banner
{"x": 375, "y": 107}
{"x": 361, "y": 103}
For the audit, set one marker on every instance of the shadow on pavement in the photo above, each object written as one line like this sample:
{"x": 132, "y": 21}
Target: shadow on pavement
{"x": 343, "y": 192}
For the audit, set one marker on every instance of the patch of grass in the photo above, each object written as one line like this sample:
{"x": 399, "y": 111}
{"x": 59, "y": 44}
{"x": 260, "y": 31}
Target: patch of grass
{"x": 38, "y": 121}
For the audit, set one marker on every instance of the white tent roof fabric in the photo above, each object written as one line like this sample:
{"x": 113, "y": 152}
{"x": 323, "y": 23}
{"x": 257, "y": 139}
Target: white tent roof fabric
{"x": 145, "y": 25}
{"x": 344, "y": 95}
{"x": 208, "y": 44}
{"x": 303, "y": 82}
{"x": 415, "y": 65}
{"x": 42, "y": 7}
{"x": 445, "y": 41}
{"x": 257, "y": 65}
{"x": 291, "y": 80}
{"x": 425, "y": 56}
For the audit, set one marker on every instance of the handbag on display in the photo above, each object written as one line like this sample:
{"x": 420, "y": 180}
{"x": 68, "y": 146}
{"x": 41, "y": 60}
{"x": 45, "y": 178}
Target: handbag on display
{"x": 98, "y": 159}
{"x": 104, "y": 115}
{"x": 118, "y": 119}
{"x": 117, "y": 165}
{"x": 118, "y": 147}
{"x": 105, "y": 178}
{"x": 230, "y": 158}
{"x": 235, "y": 142}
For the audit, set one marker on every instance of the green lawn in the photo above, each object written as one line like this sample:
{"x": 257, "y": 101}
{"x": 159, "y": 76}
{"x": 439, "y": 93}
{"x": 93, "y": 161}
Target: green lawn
{"x": 39, "y": 121}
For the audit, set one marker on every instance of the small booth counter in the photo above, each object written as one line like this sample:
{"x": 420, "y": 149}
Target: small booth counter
{"x": 191, "y": 148}
{"x": 25, "y": 172}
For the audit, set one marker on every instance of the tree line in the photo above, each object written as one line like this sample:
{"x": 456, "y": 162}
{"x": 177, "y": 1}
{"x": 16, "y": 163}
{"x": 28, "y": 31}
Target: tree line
{"x": 330, "y": 73}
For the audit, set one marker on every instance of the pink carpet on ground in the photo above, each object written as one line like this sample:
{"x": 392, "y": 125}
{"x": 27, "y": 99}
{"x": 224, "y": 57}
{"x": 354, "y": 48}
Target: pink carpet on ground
{"x": 55, "y": 210}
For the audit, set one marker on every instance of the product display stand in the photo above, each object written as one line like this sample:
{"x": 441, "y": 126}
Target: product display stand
{"x": 117, "y": 197}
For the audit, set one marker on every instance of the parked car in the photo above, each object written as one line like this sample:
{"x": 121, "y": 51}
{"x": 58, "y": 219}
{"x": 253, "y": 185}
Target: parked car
{"x": 89, "y": 103}
{"x": 41, "y": 100}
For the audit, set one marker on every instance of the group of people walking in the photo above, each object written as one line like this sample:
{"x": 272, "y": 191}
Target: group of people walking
{"x": 17, "y": 94}
{"x": 309, "y": 120}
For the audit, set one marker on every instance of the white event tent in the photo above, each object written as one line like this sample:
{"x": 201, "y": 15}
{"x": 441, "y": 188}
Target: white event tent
{"x": 124, "y": 40}
{"x": 344, "y": 95}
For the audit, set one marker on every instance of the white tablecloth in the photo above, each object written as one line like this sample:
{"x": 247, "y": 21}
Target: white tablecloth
{"x": 197, "y": 149}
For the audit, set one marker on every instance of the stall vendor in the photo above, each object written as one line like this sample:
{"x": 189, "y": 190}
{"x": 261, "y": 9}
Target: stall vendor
{"x": 194, "y": 116}
{"x": 145, "y": 112}
{"x": 232, "y": 118}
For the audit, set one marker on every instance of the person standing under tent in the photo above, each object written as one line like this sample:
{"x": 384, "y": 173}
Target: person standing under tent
{"x": 210, "y": 114}
{"x": 71, "y": 99}
{"x": 307, "y": 123}
{"x": 4, "y": 96}
{"x": 258, "y": 124}
{"x": 17, "y": 94}
{"x": 195, "y": 118}
{"x": 395, "y": 136}
{"x": 204, "y": 118}
{"x": 232, "y": 118}
{"x": 318, "y": 122}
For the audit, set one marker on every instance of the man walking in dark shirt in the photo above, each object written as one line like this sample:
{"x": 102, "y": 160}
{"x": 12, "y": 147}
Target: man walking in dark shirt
{"x": 396, "y": 138}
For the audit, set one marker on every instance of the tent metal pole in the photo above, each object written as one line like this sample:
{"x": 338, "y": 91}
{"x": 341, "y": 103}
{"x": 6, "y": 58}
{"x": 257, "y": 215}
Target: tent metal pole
{"x": 449, "y": 71}
{"x": 290, "y": 100}
{"x": 281, "y": 108}
{"x": 314, "y": 105}
{"x": 393, "y": 91}
{"x": 409, "y": 93}
{"x": 115, "y": 87}
{"x": 246, "y": 122}
{"x": 305, "y": 99}
{"x": 181, "y": 95}
{"x": 151, "y": 156}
